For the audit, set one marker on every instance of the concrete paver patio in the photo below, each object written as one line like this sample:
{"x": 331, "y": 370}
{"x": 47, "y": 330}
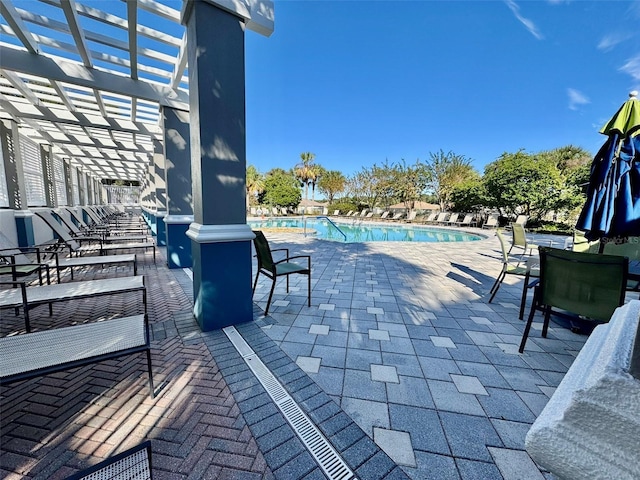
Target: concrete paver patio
{"x": 400, "y": 362}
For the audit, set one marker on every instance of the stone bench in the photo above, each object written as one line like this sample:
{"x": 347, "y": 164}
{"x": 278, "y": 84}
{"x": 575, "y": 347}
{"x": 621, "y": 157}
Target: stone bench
{"x": 590, "y": 428}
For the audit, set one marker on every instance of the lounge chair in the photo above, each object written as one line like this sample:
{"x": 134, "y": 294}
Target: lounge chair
{"x": 336, "y": 213}
{"x": 441, "y": 219}
{"x": 384, "y": 215}
{"x": 48, "y": 351}
{"x": 369, "y": 215}
{"x": 467, "y": 221}
{"x": 29, "y": 297}
{"x": 134, "y": 463}
{"x": 530, "y": 272}
{"x": 579, "y": 286}
{"x": 349, "y": 213}
{"x": 65, "y": 237}
{"x": 452, "y": 220}
{"x": 430, "y": 218}
{"x": 274, "y": 269}
{"x": 492, "y": 222}
{"x": 75, "y": 222}
{"x": 412, "y": 216}
{"x": 397, "y": 216}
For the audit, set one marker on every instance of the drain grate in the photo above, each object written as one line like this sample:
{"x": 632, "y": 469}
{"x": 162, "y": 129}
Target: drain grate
{"x": 317, "y": 444}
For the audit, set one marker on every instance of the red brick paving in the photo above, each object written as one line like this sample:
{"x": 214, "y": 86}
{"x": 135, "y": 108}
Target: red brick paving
{"x": 52, "y": 426}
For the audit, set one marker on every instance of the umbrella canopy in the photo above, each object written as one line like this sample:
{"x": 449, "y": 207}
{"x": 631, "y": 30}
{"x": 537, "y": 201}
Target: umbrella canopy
{"x": 612, "y": 209}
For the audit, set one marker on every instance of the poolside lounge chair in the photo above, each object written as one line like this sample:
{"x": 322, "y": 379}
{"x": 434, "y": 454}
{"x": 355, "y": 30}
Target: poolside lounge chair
{"x": 452, "y": 220}
{"x": 336, "y": 213}
{"x": 48, "y": 351}
{"x": 384, "y": 215}
{"x": 530, "y": 272}
{"x": 430, "y": 218}
{"x": 65, "y": 237}
{"x": 578, "y": 286}
{"x": 30, "y": 297}
{"x": 397, "y": 216}
{"x": 467, "y": 221}
{"x": 492, "y": 221}
{"x": 274, "y": 269}
{"x": 18, "y": 263}
{"x": 369, "y": 215}
{"x": 134, "y": 463}
{"x": 412, "y": 216}
{"x": 441, "y": 218}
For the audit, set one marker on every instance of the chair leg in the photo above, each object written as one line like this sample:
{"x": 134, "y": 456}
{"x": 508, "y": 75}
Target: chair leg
{"x": 309, "y": 287}
{"x": 496, "y": 285}
{"x": 527, "y": 327}
{"x": 545, "y": 325}
{"x": 255, "y": 283}
{"x": 273, "y": 287}
{"x": 151, "y": 389}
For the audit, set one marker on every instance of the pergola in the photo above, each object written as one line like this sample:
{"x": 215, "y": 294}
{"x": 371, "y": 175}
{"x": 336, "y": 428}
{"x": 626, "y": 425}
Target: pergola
{"x": 103, "y": 89}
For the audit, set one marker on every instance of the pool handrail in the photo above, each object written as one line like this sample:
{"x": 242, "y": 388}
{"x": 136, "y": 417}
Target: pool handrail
{"x": 332, "y": 223}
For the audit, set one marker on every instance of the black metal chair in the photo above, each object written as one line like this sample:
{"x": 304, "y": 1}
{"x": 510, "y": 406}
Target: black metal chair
{"x": 274, "y": 269}
{"x": 577, "y": 285}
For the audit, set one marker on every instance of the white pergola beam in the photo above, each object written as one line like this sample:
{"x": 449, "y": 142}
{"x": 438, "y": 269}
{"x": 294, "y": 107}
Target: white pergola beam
{"x": 74, "y": 73}
{"x": 19, "y": 28}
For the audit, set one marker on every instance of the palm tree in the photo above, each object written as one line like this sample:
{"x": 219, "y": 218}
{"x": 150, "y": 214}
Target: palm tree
{"x": 305, "y": 171}
{"x": 255, "y": 184}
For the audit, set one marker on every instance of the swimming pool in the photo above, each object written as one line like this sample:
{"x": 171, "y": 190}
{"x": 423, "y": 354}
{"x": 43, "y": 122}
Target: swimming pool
{"x": 368, "y": 232}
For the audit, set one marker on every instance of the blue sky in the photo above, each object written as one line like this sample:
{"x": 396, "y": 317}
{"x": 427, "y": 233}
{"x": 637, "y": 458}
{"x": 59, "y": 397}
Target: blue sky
{"x": 361, "y": 82}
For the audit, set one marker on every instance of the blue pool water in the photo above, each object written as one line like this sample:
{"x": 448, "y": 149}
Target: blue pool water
{"x": 362, "y": 232}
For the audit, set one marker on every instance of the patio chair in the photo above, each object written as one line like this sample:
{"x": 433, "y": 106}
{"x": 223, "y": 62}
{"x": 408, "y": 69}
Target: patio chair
{"x": 519, "y": 239}
{"x": 530, "y": 272}
{"x": 274, "y": 269}
{"x": 580, "y": 243}
{"x": 134, "y": 463}
{"x": 492, "y": 222}
{"x": 577, "y": 285}
{"x": 17, "y": 262}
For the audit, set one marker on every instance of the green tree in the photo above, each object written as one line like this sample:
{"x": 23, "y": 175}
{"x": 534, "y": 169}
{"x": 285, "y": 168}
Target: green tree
{"x": 255, "y": 185}
{"x": 520, "y": 183}
{"x": 447, "y": 170}
{"x": 306, "y": 171}
{"x": 469, "y": 195}
{"x": 331, "y": 183}
{"x": 410, "y": 182}
{"x": 281, "y": 189}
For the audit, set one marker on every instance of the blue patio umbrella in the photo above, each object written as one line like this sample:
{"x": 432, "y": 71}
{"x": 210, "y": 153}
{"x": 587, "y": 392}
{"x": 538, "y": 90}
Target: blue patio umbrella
{"x": 612, "y": 209}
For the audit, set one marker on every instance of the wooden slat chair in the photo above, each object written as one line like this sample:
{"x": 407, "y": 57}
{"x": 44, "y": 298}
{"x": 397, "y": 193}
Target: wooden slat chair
{"x": 274, "y": 269}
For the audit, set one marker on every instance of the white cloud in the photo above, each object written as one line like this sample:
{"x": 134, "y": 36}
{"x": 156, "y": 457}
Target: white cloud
{"x": 632, "y": 67}
{"x": 611, "y": 40}
{"x": 576, "y": 98}
{"x": 529, "y": 25}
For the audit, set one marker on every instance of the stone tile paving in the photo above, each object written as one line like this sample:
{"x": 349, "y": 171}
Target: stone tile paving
{"x": 420, "y": 361}
{"x": 399, "y": 361}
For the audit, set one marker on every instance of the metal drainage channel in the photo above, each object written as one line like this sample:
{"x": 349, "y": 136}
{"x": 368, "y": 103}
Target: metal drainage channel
{"x": 317, "y": 444}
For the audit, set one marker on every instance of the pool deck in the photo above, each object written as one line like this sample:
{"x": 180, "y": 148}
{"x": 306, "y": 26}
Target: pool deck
{"x": 400, "y": 362}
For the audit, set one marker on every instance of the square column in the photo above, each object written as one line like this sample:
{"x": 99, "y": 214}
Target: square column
{"x": 158, "y": 172}
{"x": 221, "y": 238}
{"x": 10, "y": 144}
{"x": 177, "y": 157}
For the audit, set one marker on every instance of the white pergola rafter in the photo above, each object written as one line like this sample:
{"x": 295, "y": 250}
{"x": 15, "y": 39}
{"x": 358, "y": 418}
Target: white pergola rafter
{"x": 105, "y": 117}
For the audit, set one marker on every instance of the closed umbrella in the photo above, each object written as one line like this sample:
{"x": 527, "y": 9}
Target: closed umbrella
{"x": 612, "y": 209}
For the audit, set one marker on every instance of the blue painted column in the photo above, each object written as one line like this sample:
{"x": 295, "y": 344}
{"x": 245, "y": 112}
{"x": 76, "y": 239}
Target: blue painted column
{"x": 177, "y": 156}
{"x": 14, "y": 173}
{"x": 221, "y": 239}
{"x": 158, "y": 172}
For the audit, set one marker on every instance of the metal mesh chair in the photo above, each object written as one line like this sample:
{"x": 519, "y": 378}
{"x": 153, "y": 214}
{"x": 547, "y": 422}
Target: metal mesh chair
{"x": 274, "y": 269}
{"x": 132, "y": 464}
{"x": 577, "y": 284}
